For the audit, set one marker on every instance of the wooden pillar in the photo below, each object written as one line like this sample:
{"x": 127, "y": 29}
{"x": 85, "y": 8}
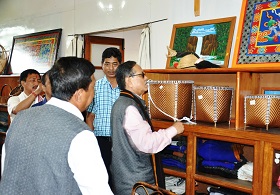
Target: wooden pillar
{"x": 196, "y": 7}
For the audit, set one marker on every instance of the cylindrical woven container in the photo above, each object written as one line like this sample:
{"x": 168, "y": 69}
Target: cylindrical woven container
{"x": 173, "y": 98}
{"x": 262, "y": 111}
{"x": 212, "y": 103}
{"x": 3, "y": 59}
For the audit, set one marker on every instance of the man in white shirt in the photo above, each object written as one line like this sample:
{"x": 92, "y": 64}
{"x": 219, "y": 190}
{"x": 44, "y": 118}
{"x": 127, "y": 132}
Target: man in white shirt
{"x": 30, "y": 80}
{"x": 49, "y": 149}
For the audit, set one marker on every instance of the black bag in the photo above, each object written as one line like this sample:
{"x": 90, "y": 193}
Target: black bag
{"x": 150, "y": 189}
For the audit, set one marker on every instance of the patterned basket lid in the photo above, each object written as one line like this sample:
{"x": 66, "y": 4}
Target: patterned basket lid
{"x": 213, "y": 87}
{"x": 264, "y": 96}
{"x": 171, "y": 82}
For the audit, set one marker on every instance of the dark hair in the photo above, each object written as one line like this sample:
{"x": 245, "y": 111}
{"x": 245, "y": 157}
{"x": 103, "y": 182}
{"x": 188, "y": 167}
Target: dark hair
{"x": 124, "y": 70}
{"x": 111, "y": 51}
{"x": 24, "y": 74}
{"x": 69, "y": 74}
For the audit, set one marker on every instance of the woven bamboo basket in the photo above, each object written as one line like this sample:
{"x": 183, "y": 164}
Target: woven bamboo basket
{"x": 262, "y": 111}
{"x": 212, "y": 103}
{"x": 170, "y": 100}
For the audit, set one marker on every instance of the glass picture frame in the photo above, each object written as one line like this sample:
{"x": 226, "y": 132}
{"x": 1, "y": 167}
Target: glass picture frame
{"x": 34, "y": 51}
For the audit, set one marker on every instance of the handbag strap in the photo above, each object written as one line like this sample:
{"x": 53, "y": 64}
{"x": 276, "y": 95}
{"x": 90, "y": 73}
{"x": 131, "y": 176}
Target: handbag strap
{"x": 156, "y": 190}
{"x": 4, "y": 87}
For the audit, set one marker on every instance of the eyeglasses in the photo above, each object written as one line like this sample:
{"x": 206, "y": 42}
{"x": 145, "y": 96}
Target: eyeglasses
{"x": 141, "y": 74}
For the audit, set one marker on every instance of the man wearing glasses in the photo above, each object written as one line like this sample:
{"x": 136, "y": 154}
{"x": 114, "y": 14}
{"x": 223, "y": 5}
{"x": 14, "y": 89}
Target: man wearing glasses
{"x": 133, "y": 138}
{"x": 30, "y": 80}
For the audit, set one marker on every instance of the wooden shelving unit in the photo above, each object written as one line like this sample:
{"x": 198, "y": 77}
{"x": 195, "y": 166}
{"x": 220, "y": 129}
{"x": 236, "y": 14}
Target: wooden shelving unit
{"x": 263, "y": 143}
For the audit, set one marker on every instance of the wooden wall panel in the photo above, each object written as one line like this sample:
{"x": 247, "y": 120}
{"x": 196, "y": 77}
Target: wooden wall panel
{"x": 13, "y": 81}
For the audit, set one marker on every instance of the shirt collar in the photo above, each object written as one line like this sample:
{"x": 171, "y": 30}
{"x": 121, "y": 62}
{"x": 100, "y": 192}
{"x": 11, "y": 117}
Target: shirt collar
{"x": 105, "y": 81}
{"x": 67, "y": 106}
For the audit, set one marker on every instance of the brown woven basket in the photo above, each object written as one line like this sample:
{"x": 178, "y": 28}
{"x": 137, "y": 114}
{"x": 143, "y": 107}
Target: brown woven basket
{"x": 262, "y": 111}
{"x": 212, "y": 103}
{"x": 174, "y": 98}
{"x": 3, "y": 59}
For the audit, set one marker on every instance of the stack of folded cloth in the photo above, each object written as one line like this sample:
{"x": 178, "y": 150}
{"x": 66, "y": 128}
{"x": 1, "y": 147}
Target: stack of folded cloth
{"x": 175, "y": 184}
{"x": 220, "y": 158}
{"x": 224, "y": 191}
{"x": 174, "y": 155}
{"x": 246, "y": 172}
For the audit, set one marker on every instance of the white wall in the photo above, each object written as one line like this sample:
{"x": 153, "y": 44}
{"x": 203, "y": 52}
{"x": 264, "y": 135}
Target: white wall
{"x": 84, "y": 16}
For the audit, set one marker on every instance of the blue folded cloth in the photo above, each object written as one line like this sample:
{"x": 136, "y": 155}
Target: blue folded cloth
{"x": 213, "y": 150}
{"x": 173, "y": 163}
{"x": 177, "y": 148}
{"x": 227, "y": 165}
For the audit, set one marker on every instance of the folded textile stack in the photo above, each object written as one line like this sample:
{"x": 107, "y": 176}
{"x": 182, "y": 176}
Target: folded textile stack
{"x": 220, "y": 158}
{"x": 246, "y": 172}
{"x": 174, "y": 155}
{"x": 175, "y": 184}
{"x": 224, "y": 191}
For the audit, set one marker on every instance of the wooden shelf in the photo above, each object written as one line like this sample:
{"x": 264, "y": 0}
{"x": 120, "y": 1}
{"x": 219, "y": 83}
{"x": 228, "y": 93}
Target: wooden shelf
{"x": 173, "y": 171}
{"x": 213, "y": 70}
{"x": 243, "y": 186}
{"x": 226, "y": 132}
{"x": 259, "y": 142}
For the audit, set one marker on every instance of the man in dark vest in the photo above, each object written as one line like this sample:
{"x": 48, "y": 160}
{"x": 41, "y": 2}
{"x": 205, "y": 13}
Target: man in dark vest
{"x": 49, "y": 149}
{"x": 133, "y": 138}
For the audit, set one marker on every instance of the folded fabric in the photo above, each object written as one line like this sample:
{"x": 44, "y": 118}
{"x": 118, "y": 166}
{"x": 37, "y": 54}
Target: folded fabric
{"x": 246, "y": 172}
{"x": 171, "y": 152}
{"x": 215, "y": 193}
{"x": 179, "y": 143}
{"x": 177, "y": 148}
{"x": 173, "y": 163}
{"x": 180, "y": 159}
{"x": 175, "y": 184}
{"x": 221, "y": 171}
{"x": 217, "y": 151}
{"x": 225, "y": 191}
{"x": 227, "y": 165}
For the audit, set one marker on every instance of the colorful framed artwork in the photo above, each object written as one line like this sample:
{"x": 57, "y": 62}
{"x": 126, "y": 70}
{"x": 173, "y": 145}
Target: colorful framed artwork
{"x": 258, "y": 37}
{"x": 210, "y": 40}
{"x": 36, "y": 51}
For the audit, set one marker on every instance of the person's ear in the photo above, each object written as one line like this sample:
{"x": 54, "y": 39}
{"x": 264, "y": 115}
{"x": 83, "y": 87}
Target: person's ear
{"x": 78, "y": 95}
{"x": 23, "y": 83}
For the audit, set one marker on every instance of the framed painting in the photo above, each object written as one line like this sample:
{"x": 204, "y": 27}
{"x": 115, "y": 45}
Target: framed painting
{"x": 34, "y": 51}
{"x": 258, "y": 37}
{"x": 210, "y": 40}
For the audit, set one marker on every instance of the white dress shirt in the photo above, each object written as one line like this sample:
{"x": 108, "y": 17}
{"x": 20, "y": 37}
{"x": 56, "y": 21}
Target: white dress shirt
{"x": 84, "y": 157}
{"x": 15, "y": 100}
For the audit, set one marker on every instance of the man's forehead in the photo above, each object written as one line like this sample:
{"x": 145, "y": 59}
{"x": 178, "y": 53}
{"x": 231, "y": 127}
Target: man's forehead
{"x": 137, "y": 67}
{"x": 33, "y": 75}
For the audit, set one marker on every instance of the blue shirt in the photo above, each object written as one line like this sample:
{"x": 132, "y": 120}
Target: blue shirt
{"x": 104, "y": 98}
{"x": 40, "y": 103}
